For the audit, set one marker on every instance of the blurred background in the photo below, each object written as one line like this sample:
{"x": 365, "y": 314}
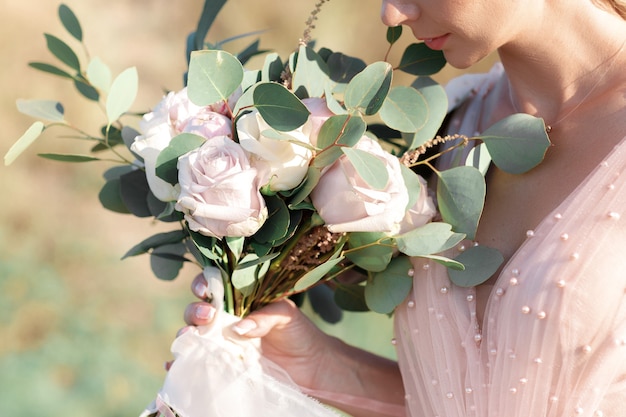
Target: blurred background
{"x": 81, "y": 332}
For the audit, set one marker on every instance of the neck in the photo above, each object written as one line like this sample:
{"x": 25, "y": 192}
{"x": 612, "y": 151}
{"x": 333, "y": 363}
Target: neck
{"x": 590, "y": 45}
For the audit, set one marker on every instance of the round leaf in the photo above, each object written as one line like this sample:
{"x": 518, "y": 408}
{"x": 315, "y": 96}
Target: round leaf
{"x": 393, "y": 34}
{"x": 368, "y": 89}
{"x": 404, "y": 109}
{"x": 389, "y": 288}
{"x": 311, "y": 75}
{"x": 419, "y": 59}
{"x": 429, "y": 239}
{"x": 461, "y": 198}
{"x": 122, "y": 94}
{"x": 280, "y": 108}
{"x": 166, "y": 261}
{"x": 110, "y": 197}
{"x": 517, "y": 143}
{"x": 436, "y": 110}
{"x": 480, "y": 264}
{"x": 167, "y": 161}
{"x": 369, "y": 167}
{"x": 351, "y": 297}
{"x": 213, "y": 76}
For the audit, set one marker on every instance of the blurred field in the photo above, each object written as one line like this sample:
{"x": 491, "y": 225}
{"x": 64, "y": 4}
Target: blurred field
{"x": 81, "y": 332}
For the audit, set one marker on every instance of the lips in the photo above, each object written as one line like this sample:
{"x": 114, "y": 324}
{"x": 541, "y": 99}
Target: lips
{"x": 436, "y": 43}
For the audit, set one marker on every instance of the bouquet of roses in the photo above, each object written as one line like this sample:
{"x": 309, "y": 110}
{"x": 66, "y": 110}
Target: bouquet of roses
{"x": 276, "y": 183}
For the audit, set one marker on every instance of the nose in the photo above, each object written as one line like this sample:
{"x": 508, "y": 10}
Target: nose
{"x": 398, "y": 12}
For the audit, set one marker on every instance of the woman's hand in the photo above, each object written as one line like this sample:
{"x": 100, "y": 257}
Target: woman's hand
{"x": 346, "y": 377}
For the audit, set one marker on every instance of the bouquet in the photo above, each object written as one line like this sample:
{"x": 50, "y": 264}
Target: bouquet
{"x": 282, "y": 179}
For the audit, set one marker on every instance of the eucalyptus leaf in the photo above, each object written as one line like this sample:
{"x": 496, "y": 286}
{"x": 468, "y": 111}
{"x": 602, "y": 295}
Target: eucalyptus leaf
{"x": 461, "y": 198}
{"x": 210, "y": 11}
{"x": 70, "y": 22}
{"x": 517, "y": 143}
{"x": 308, "y": 184}
{"x": 429, "y": 239}
{"x": 351, "y": 297}
{"x": 393, "y": 34}
{"x": 249, "y": 52}
{"x": 479, "y": 158}
{"x": 31, "y": 134}
{"x": 366, "y": 92}
{"x": 311, "y": 75}
{"x": 419, "y": 59}
{"x": 155, "y": 241}
{"x": 166, "y": 261}
{"x": 387, "y": 289}
{"x": 167, "y": 161}
{"x": 213, "y": 76}
{"x": 313, "y": 276}
{"x": 342, "y": 68}
{"x": 323, "y": 304}
{"x": 280, "y": 108}
{"x": 366, "y": 253}
{"x": 111, "y": 198}
{"x": 369, "y": 167}
{"x": 50, "y": 110}
{"x": 68, "y": 157}
{"x": 436, "y": 110}
{"x": 277, "y": 224}
{"x": 134, "y": 190}
{"x": 86, "y": 90}
{"x": 51, "y": 69}
{"x": 245, "y": 279}
{"x": 236, "y": 245}
{"x": 122, "y": 94}
{"x": 272, "y": 68}
{"x": 404, "y": 109}
{"x": 341, "y": 129}
{"x": 480, "y": 262}
{"x": 62, "y": 51}
{"x": 99, "y": 75}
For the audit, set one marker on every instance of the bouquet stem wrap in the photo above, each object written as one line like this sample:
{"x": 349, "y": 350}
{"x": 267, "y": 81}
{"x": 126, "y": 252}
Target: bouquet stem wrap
{"x": 219, "y": 373}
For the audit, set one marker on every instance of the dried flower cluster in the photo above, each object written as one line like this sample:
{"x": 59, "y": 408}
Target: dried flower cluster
{"x": 310, "y": 23}
{"x": 410, "y": 158}
{"x": 311, "y": 249}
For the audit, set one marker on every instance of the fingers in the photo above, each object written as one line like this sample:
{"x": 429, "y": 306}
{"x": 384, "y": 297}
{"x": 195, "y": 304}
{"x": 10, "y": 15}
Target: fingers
{"x": 261, "y": 322}
{"x": 199, "y": 314}
{"x": 199, "y": 287}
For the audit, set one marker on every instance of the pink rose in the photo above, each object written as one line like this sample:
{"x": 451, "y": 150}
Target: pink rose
{"x": 319, "y": 114}
{"x": 174, "y": 115}
{"x": 347, "y": 203}
{"x": 219, "y": 190}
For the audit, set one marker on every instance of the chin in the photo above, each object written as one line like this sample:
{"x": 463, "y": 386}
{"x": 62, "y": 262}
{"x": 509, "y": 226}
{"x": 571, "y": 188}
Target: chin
{"x": 461, "y": 60}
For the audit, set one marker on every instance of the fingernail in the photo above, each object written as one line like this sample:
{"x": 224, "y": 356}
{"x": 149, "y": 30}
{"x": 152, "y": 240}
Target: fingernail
{"x": 200, "y": 289}
{"x": 244, "y": 326}
{"x": 205, "y": 312}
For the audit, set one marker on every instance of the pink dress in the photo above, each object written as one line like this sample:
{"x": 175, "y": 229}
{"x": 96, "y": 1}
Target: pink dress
{"x": 553, "y": 340}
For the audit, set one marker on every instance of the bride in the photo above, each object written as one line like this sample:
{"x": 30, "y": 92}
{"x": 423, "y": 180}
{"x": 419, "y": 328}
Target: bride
{"x": 546, "y": 335}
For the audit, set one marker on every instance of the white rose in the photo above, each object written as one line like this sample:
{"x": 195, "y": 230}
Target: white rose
{"x": 421, "y": 212}
{"x": 174, "y": 115}
{"x": 219, "y": 190}
{"x": 283, "y": 163}
{"x": 347, "y": 203}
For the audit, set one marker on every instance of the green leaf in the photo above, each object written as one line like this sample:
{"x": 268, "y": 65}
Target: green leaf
{"x": 280, "y": 108}
{"x": 99, "y": 75}
{"x": 393, "y": 34}
{"x": 50, "y": 110}
{"x": 313, "y": 276}
{"x": 369, "y": 167}
{"x": 31, "y": 134}
{"x": 432, "y": 238}
{"x": 155, "y": 241}
{"x": 479, "y": 158}
{"x": 277, "y": 224}
{"x": 122, "y": 94}
{"x": 419, "y": 59}
{"x": 461, "y": 198}
{"x": 366, "y": 253}
{"x": 210, "y": 11}
{"x": 436, "y": 110}
{"x": 110, "y": 196}
{"x": 166, "y": 261}
{"x": 368, "y": 89}
{"x": 167, "y": 161}
{"x": 68, "y": 157}
{"x": 351, "y": 297}
{"x": 311, "y": 75}
{"x": 480, "y": 262}
{"x": 404, "y": 109}
{"x": 272, "y": 68}
{"x": 517, "y": 143}
{"x": 62, "y": 51}
{"x": 86, "y": 90}
{"x": 134, "y": 190}
{"x": 213, "y": 76}
{"x": 70, "y": 22}
{"x": 389, "y": 288}
{"x": 245, "y": 278}
{"x": 343, "y": 68}
{"x": 344, "y": 130}
{"x": 310, "y": 181}
{"x": 51, "y": 69}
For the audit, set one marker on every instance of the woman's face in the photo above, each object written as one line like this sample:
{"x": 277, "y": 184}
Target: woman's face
{"x": 465, "y": 30}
